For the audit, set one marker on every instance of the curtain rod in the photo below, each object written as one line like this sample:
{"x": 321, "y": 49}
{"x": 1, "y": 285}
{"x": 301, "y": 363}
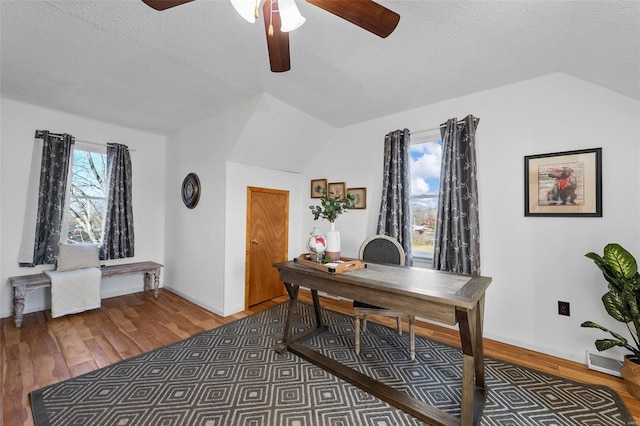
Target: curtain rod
{"x": 39, "y": 136}
{"x": 433, "y": 129}
{"x": 426, "y": 130}
{"x": 100, "y": 144}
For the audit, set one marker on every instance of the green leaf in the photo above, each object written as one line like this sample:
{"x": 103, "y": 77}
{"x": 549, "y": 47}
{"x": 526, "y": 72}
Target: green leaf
{"x": 595, "y": 257}
{"x": 604, "y": 344}
{"x": 620, "y": 260}
{"x": 619, "y": 338}
{"x": 592, "y": 324}
{"x": 615, "y": 307}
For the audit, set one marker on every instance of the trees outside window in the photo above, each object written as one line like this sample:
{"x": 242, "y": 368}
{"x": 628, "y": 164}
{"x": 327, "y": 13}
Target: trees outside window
{"x": 426, "y": 158}
{"x": 87, "y": 197}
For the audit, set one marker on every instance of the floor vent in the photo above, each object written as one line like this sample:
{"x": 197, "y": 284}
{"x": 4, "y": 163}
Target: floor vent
{"x": 597, "y": 362}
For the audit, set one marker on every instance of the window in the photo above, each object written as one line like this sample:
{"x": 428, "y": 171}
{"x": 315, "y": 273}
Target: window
{"x": 426, "y": 156}
{"x": 87, "y": 198}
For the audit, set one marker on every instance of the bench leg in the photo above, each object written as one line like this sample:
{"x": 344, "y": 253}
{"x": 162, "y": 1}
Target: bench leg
{"x": 156, "y": 282}
{"x": 18, "y": 304}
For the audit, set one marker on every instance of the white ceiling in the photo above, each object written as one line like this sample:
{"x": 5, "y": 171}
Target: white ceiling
{"x": 125, "y": 63}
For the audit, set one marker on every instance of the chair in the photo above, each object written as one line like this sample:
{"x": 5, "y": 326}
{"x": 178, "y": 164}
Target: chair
{"x": 381, "y": 249}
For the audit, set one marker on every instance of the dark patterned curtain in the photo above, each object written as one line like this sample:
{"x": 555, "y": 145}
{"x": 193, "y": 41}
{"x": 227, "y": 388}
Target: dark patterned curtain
{"x": 56, "y": 154}
{"x": 117, "y": 233}
{"x": 395, "y": 208}
{"x": 457, "y": 240}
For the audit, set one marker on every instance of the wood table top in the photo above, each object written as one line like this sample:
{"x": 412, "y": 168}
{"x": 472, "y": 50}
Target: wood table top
{"x": 421, "y": 283}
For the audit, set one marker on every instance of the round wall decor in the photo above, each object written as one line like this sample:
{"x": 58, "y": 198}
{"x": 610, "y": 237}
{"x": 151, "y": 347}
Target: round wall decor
{"x": 191, "y": 190}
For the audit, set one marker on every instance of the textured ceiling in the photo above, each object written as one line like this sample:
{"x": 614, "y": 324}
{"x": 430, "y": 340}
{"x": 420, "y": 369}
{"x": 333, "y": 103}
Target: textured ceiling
{"x": 125, "y": 63}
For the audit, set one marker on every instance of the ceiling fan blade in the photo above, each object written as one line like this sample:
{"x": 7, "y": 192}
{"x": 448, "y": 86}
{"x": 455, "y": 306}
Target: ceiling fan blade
{"x": 366, "y": 14}
{"x": 164, "y": 4}
{"x": 277, "y": 41}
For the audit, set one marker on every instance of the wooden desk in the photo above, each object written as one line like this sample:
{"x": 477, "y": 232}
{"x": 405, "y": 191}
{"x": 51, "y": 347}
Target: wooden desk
{"x": 23, "y": 283}
{"x": 426, "y": 293}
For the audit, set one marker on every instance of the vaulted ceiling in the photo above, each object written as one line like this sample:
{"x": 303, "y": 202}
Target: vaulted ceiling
{"x": 127, "y": 64}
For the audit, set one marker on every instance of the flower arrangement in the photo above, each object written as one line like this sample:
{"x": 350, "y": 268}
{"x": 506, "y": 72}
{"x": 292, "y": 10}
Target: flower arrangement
{"x": 332, "y": 205}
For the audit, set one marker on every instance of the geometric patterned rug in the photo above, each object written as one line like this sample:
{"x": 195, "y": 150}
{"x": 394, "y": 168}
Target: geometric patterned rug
{"x": 232, "y": 376}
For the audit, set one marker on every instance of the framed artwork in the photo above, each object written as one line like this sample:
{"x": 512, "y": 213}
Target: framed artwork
{"x": 316, "y": 186}
{"x": 563, "y": 183}
{"x": 337, "y": 188}
{"x": 361, "y": 197}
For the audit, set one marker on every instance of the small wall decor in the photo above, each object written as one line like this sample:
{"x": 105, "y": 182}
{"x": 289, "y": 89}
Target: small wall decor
{"x": 337, "y": 189}
{"x": 361, "y": 197}
{"x": 191, "y": 190}
{"x": 563, "y": 183}
{"x": 316, "y": 186}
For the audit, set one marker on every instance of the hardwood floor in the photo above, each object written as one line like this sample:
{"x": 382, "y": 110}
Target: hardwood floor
{"x": 47, "y": 350}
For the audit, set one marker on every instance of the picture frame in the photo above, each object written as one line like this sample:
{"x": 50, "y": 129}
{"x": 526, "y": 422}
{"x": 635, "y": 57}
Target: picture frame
{"x": 316, "y": 186}
{"x": 565, "y": 183}
{"x": 337, "y": 188}
{"x": 361, "y": 197}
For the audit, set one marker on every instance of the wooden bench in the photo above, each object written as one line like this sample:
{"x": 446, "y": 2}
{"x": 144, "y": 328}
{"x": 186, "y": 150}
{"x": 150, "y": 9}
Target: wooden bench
{"x": 24, "y": 283}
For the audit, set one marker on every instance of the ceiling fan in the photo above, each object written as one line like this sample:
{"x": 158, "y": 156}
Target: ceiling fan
{"x": 282, "y": 16}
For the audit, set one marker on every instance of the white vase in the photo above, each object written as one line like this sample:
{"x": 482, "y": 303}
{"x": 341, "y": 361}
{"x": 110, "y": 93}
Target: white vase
{"x": 333, "y": 243}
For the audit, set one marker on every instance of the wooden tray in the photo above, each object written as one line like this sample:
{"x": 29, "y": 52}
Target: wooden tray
{"x": 343, "y": 265}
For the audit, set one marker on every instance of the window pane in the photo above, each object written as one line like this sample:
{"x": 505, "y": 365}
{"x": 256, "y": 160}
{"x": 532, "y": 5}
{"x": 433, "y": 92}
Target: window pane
{"x": 87, "y": 203}
{"x": 89, "y": 171}
{"x": 425, "y": 184}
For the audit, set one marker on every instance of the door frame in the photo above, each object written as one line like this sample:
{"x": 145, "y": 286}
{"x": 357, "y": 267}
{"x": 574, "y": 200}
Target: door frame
{"x": 247, "y": 249}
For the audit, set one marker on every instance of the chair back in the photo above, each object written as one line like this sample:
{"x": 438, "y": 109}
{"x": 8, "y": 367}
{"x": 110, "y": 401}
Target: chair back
{"x": 382, "y": 249}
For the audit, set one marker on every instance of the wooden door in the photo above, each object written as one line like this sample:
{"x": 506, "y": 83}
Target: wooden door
{"x": 267, "y": 243}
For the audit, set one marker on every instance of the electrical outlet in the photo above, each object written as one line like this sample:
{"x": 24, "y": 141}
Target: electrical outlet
{"x": 563, "y": 308}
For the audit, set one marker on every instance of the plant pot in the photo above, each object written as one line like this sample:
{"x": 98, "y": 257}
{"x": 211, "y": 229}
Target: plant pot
{"x": 630, "y": 372}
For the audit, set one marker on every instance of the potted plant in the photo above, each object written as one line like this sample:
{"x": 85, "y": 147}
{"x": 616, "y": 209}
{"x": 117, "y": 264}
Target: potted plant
{"x": 622, "y": 303}
{"x": 332, "y": 205}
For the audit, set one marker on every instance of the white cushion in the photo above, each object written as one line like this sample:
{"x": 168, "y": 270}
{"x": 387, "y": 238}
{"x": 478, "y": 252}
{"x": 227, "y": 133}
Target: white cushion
{"x": 77, "y": 256}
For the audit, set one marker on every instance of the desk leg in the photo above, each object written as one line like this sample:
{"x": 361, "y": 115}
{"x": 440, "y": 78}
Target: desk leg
{"x": 287, "y": 338}
{"x": 292, "y": 289}
{"x": 316, "y": 308}
{"x": 473, "y": 379}
{"x": 479, "y": 365}
{"x": 18, "y": 304}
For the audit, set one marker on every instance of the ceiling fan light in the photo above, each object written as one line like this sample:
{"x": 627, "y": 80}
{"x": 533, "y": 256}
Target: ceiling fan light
{"x": 246, "y": 9}
{"x": 289, "y": 15}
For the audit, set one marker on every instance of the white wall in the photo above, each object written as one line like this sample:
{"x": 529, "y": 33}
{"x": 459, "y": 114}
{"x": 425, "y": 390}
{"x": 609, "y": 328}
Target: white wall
{"x": 19, "y": 123}
{"x": 205, "y": 246}
{"x": 194, "y": 250}
{"x": 534, "y": 261}
{"x": 277, "y": 136}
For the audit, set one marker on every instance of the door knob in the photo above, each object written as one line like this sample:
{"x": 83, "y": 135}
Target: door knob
{"x": 254, "y": 241}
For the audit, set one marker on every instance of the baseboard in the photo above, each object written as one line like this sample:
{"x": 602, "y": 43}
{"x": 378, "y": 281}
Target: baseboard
{"x": 197, "y": 302}
{"x": 575, "y": 357}
{"x": 119, "y": 292}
